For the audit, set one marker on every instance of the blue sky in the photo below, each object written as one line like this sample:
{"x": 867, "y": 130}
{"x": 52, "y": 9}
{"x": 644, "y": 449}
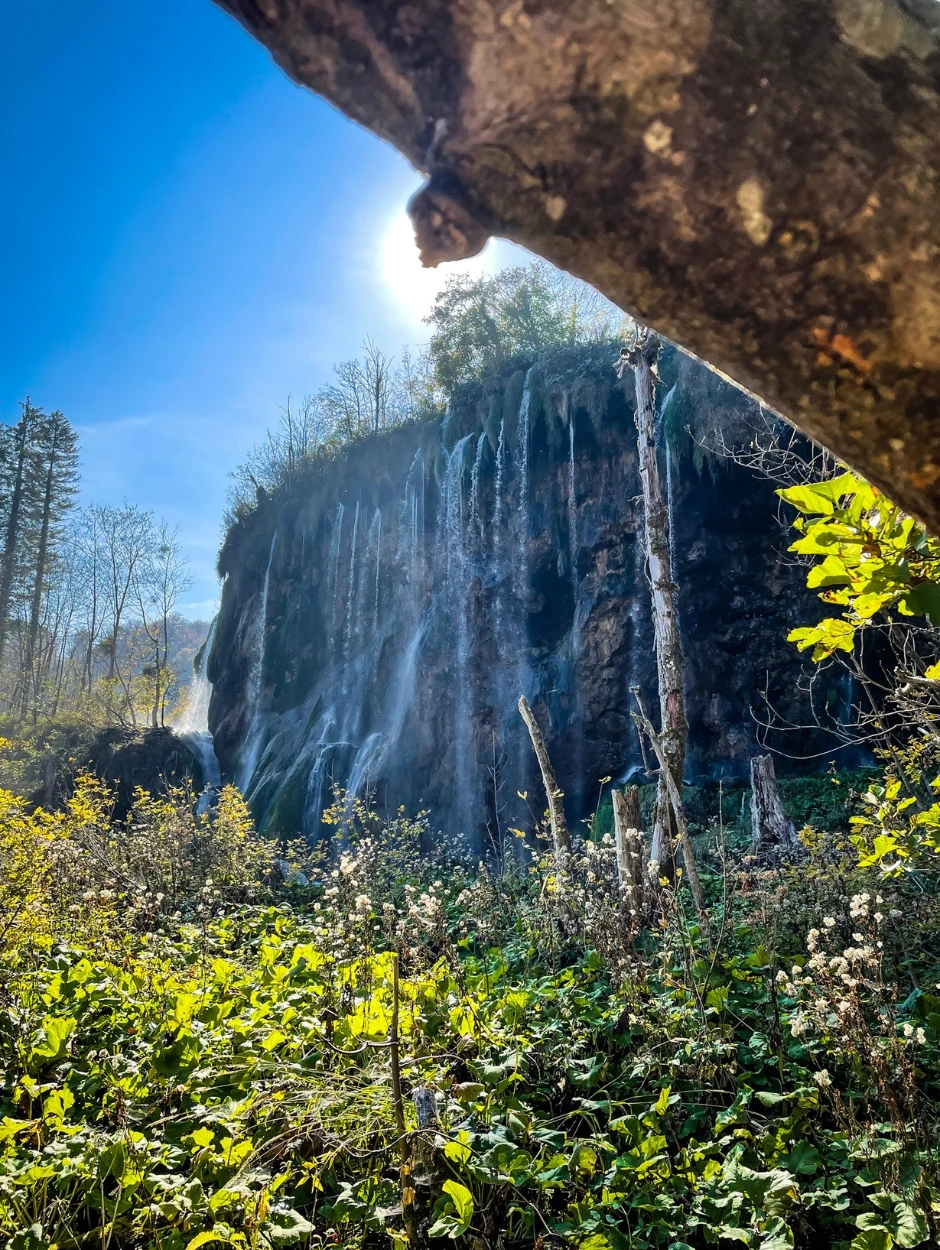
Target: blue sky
{"x": 185, "y": 238}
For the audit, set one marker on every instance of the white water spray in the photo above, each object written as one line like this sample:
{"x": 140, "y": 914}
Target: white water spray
{"x": 193, "y": 725}
{"x": 252, "y": 746}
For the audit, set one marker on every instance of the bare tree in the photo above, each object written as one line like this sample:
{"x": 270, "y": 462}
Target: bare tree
{"x": 126, "y": 538}
{"x": 160, "y": 578}
{"x": 641, "y": 359}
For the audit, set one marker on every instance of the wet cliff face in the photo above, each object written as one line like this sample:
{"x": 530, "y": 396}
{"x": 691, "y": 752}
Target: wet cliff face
{"x": 380, "y": 621}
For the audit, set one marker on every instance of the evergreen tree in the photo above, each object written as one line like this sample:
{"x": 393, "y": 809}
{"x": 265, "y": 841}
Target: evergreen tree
{"x": 16, "y": 465}
{"x": 53, "y": 480}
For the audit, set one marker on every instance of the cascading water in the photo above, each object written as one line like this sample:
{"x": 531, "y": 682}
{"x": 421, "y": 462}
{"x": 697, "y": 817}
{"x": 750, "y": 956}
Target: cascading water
{"x": 458, "y": 572}
{"x": 332, "y": 584}
{"x": 404, "y": 638}
{"x": 500, "y": 474}
{"x": 193, "y": 725}
{"x": 525, "y": 412}
{"x": 377, "y": 522}
{"x": 253, "y": 738}
{"x": 351, "y": 582}
{"x": 475, "y": 519}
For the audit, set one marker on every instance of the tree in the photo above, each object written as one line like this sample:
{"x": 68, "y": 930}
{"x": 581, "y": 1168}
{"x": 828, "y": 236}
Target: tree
{"x": 55, "y": 465}
{"x": 641, "y": 359}
{"x": 480, "y": 323}
{"x": 159, "y": 580}
{"x": 126, "y": 534}
{"x": 764, "y": 190}
{"x": 16, "y": 464}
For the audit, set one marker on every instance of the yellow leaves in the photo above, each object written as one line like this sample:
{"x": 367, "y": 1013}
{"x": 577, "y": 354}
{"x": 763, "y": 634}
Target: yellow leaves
{"x": 874, "y": 558}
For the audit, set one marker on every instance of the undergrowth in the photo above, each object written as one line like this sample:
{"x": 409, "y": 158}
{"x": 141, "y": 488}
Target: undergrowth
{"x": 199, "y": 1044}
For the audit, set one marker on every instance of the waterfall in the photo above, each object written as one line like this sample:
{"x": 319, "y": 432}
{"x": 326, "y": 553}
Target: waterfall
{"x": 669, "y": 514}
{"x": 378, "y": 746}
{"x": 475, "y": 525}
{"x": 377, "y": 521}
{"x": 252, "y": 746}
{"x": 452, "y": 510}
{"x": 366, "y": 757}
{"x": 332, "y": 585}
{"x": 373, "y": 547}
{"x": 572, "y": 512}
{"x": 500, "y": 474}
{"x": 524, "y": 421}
{"x": 459, "y": 581}
{"x": 193, "y": 725}
{"x": 575, "y": 641}
{"x": 351, "y": 589}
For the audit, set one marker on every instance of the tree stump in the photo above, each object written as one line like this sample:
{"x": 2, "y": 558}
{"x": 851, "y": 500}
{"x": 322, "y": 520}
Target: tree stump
{"x": 771, "y": 827}
{"x": 632, "y": 856}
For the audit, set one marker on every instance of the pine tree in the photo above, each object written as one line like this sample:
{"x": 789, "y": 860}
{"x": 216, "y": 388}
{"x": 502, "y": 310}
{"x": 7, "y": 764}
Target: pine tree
{"x": 16, "y": 464}
{"x": 53, "y": 478}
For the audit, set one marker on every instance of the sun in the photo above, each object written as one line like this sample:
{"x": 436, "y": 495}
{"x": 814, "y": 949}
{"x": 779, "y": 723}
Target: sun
{"x": 410, "y": 286}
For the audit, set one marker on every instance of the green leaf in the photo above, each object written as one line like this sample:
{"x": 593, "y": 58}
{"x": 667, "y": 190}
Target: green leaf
{"x": 803, "y": 1158}
{"x": 458, "y": 1151}
{"x": 52, "y": 1042}
{"x": 662, "y": 1102}
{"x": 873, "y": 1239}
{"x": 286, "y": 1226}
{"x": 809, "y": 498}
{"x": 910, "y": 1224}
{"x": 29, "y": 1239}
{"x": 462, "y": 1199}
{"x": 924, "y": 600}
{"x": 218, "y": 1233}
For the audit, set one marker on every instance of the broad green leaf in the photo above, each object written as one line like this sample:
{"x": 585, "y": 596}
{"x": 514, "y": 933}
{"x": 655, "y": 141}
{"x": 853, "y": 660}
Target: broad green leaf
{"x": 873, "y": 1239}
{"x": 459, "y": 1151}
{"x": 910, "y": 1224}
{"x": 923, "y": 600}
{"x": 462, "y": 1199}
{"x": 222, "y": 1234}
{"x": 808, "y": 498}
{"x": 52, "y": 1041}
{"x": 802, "y": 1158}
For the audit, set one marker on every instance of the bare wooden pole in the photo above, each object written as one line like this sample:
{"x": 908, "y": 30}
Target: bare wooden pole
{"x": 673, "y": 724}
{"x": 560, "y": 836}
{"x": 675, "y": 799}
{"x": 770, "y": 824}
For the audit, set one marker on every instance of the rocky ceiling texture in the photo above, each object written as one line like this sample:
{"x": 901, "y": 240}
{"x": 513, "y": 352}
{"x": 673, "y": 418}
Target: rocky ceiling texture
{"x": 759, "y": 180}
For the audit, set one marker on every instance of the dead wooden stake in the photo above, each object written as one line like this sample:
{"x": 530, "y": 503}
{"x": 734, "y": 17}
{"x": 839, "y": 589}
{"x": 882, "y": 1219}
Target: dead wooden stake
{"x": 560, "y": 836}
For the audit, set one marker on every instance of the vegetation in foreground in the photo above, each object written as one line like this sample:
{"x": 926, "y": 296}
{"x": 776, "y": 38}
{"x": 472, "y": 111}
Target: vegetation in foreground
{"x": 210, "y": 1038}
{"x": 200, "y": 1043}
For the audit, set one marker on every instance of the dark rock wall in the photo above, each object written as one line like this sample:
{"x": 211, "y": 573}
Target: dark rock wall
{"x": 380, "y": 620}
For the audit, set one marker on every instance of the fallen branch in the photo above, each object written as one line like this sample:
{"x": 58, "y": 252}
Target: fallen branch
{"x": 675, "y": 800}
{"x": 560, "y": 836}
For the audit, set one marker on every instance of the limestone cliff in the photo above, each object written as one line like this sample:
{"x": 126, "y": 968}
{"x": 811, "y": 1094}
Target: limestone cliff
{"x": 380, "y": 619}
